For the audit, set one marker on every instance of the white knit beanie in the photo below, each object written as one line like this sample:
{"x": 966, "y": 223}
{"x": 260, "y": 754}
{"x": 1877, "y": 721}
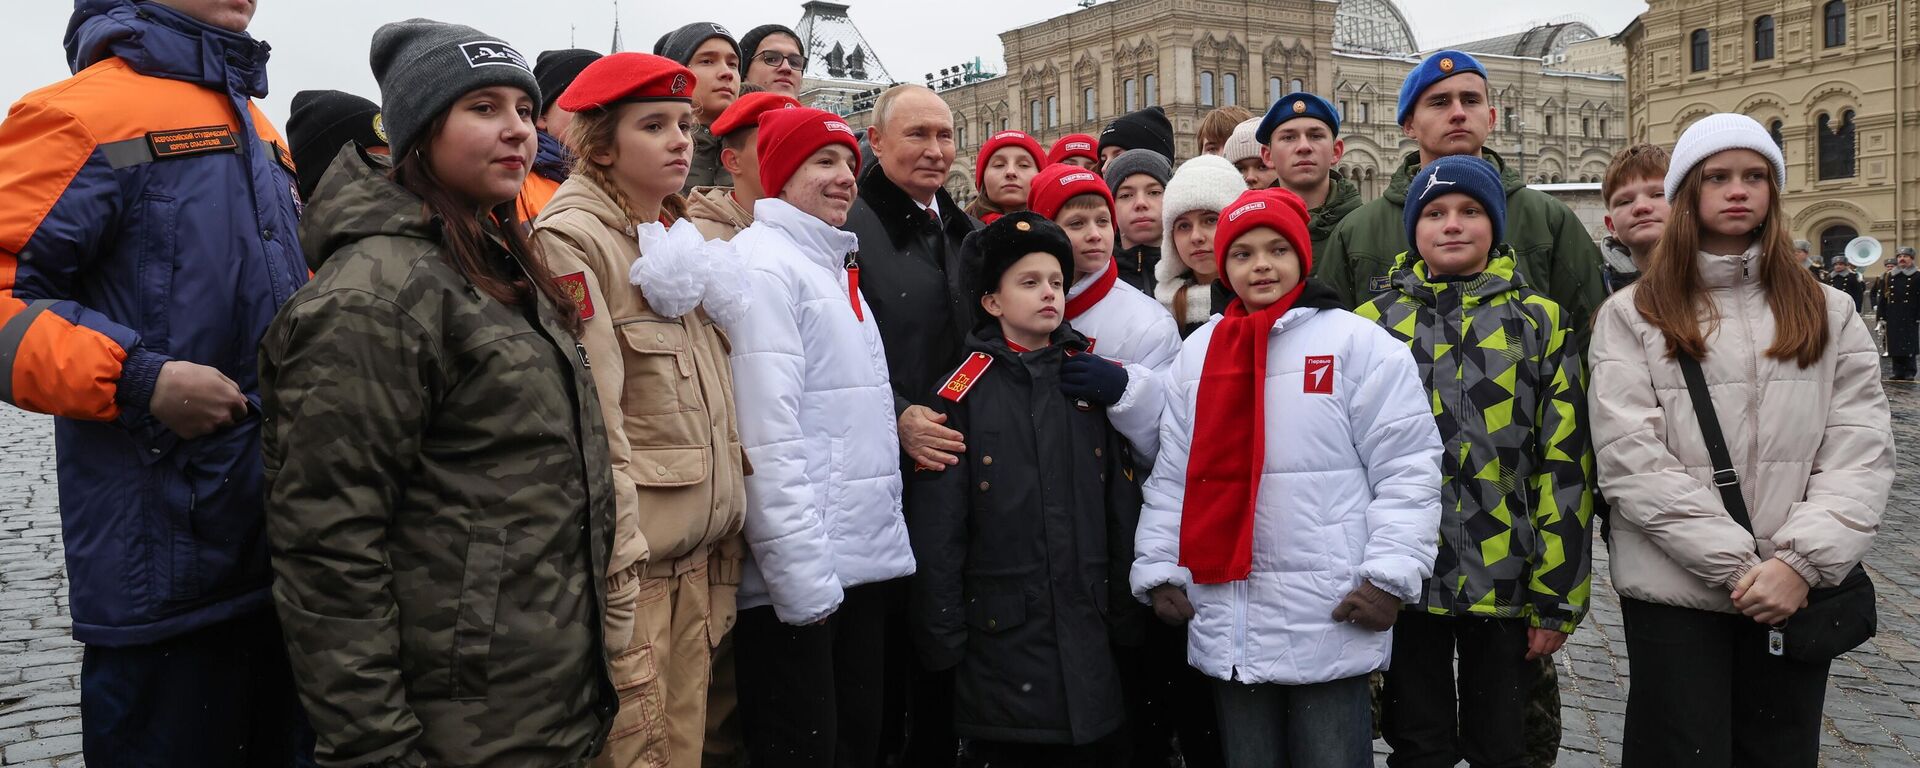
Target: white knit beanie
{"x": 1242, "y": 144}
{"x": 1205, "y": 183}
{"x": 1718, "y": 133}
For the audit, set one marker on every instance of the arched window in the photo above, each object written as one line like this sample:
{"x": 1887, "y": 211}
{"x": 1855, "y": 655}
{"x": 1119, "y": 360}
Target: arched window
{"x": 1089, "y": 109}
{"x": 1273, "y": 90}
{"x": 1779, "y": 139}
{"x": 1053, "y": 111}
{"x": 1132, "y": 95}
{"x": 1699, "y": 50}
{"x": 1230, "y": 89}
{"x": 1033, "y": 115}
{"x": 1153, "y": 90}
{"x": 1206, "y": 89}
{"x": 1836, "y": 147}
{"x": 1295, "y": 86}
{"x": 1763, "y": 38}
{"x": 1836, "y": 23}
{"x": 1834, "y": 239}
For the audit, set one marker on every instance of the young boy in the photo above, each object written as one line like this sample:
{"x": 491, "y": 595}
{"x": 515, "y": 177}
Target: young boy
{"x": 1137, "y": 179}
{"x": 1216, "y": 127}
{"x": 1295, "y": 502}
{"x": 1300, "y": 139}
{"x": 1025, "y": 542}
{"x": 1633, "y": 190}
{"x": 1511, "y": 576}
{"x": 1127, "y": 326}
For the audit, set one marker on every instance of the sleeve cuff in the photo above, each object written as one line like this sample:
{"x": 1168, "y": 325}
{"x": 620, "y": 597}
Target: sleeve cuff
{"x": 1403, "y": 586}
{"x": 1557, "y": 622}
{"x": 1799, "y": 564}
{"x": 138, "y": 374}
{"x": 1146, "y": 576}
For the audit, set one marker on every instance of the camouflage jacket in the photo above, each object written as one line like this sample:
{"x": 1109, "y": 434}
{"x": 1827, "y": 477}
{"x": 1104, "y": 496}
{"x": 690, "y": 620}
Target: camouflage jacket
{"x": 439, "y": 502}
{"x": 1517, "y": 470}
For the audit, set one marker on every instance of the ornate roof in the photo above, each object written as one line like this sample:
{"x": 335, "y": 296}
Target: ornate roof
{"x": 1543, "y": 40}
{"x": 1372, "y": 26}
{"x": 835, "y": 48}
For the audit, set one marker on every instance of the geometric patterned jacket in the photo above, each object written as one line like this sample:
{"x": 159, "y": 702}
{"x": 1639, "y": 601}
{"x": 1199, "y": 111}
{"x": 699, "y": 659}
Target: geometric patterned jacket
{"x": 1508, "y": 395}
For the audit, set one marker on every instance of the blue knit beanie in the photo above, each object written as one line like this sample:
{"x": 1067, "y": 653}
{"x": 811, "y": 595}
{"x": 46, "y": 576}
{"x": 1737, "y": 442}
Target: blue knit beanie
{"x": 1466, "y": 174}
{"x": 1436, "y": 68}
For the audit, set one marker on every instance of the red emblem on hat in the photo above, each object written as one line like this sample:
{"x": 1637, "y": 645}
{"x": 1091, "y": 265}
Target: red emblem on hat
{"x": 1319, "y": 375}
{"x": 575, "y": 287}
{"x": 679, "y": 85}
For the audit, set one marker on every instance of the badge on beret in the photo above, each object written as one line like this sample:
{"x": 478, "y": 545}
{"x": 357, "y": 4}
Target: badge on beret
{"x": 1299, "y": 107}
{"x": 380, "y": 126}
{"x": 1446, "y": 64}
{"x": 1022, "y": 226}
{"x": 679, "y": 85}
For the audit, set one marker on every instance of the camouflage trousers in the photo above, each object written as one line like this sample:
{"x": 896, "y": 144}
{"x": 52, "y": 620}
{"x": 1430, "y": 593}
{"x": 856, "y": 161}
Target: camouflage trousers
{"x": 1543, "y": 713}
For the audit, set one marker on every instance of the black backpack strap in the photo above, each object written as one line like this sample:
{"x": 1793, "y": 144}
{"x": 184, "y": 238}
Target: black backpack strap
{"x": 1727, "y": 480}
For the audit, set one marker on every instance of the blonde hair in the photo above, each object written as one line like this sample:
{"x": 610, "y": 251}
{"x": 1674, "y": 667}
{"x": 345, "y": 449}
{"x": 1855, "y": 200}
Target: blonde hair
{"x": 591, "y": 133}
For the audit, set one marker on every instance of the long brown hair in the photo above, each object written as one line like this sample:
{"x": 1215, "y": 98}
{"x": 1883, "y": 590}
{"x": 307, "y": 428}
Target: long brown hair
{"x": 468, "y": 248}
{"x": 591, "y": 133}
{"x": 1670, "y": 296}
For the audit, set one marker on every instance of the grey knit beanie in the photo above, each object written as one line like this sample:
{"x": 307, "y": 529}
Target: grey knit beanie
{"x": 1137, "y": 161}
{"x": 681, "y": 43}
{"x": 423, "y": 65}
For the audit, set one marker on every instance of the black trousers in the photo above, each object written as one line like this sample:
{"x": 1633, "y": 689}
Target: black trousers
{"x": 1166, "y": 697}
{"x": 1706, "y": 694}
{"x": 1424, "y": 722}
{"x": 1903, "y": 367}
{"x": 217, "y": 697}
{"x": 1104, "y": 753}
{"x": 810, "y": 697}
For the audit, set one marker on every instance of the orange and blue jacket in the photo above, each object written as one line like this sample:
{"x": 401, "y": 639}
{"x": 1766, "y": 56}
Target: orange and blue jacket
{"x": 147, "y": 214}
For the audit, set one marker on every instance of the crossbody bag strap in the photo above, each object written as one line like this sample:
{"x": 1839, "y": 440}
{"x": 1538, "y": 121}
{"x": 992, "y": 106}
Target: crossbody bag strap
{"x": 1724, "y": 477}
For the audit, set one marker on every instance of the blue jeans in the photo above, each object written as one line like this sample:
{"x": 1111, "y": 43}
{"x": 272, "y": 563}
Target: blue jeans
{"x": 1321, "y": 725}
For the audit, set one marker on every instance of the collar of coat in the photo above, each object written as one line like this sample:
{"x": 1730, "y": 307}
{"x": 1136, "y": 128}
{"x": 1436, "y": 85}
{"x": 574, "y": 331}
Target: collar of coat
{"x": 158, "y": 41}
{"x": 1411, "y": 278}
{"x": 901, "y": 215}
{"x": 819, "y": 241}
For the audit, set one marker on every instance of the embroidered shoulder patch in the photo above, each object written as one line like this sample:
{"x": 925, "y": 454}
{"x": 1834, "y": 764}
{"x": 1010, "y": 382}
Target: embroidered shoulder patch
{"x": 575, "y": 286}
{"x": 1378, "y": 284}
{"x": 191, "y": 141}
{"x": 963, "y": 379}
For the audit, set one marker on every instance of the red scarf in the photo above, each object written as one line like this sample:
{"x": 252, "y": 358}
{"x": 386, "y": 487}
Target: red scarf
{"x": 1079, "y": 305}
{"x": 1229, "y": 449}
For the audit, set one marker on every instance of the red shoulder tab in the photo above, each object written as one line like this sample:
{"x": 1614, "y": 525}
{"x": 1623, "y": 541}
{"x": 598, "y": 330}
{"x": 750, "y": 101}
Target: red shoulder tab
{"x": 575, "y": 286}
{"x": 963, "y": 379}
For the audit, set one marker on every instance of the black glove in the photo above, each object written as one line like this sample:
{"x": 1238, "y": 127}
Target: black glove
{"x": 1093, "y": 378}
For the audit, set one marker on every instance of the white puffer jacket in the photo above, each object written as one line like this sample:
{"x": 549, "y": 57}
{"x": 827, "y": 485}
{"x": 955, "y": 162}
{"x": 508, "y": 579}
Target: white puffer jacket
{"x": 1813, "y": 446}
{"x": 1350, "y": 490}
{"x": 816, "y": 418}
{"x": 1131, "y": 328}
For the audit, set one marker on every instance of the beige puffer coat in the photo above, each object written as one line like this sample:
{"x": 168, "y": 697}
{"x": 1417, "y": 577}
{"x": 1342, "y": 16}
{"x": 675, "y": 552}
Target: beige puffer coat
{"x": 1813, "y": 447}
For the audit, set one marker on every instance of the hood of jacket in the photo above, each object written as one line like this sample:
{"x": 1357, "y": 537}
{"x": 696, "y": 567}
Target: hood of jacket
{"x": 158, "y": 41}
{"x": 554, "y": 161}
{"x": 356, "y": 201}
{"x": 821, "y": 242}
{"x": 717, "y": 204}
{"x": 900, "y": 214}
{"x": 586, "y": 196}
{"x": 1342, "y": 199}
{"x": 1396, "y": 192}
{"x": 1411, "y": 278}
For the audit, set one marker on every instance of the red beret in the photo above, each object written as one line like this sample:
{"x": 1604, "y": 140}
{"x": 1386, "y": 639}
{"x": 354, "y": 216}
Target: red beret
{"x": 1074, "y": 145}
{"x": 1058, "y": 183}
{"x": 745, "y": 111}
{"x": 1000, "y": 141}
{"x": 1277, "y": 208}
{"x": 789, "y": 136}
{"x": 625, "y": 77}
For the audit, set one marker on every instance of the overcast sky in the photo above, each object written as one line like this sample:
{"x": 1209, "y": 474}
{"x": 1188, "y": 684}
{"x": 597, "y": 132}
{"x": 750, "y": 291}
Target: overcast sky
{"x": 323, "y": 43}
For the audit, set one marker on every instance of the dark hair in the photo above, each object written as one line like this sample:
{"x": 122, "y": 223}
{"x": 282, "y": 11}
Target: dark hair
{"x": 464, "y": 237}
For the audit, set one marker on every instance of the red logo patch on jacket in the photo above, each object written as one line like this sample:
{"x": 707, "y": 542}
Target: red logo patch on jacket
{"x": 575, "y": 286}
{"x": 1319, "y": 375}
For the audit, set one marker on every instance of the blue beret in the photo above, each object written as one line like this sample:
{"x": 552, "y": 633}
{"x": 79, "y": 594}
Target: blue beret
{"x": 1465, "y": 174}
{"x": 1436, "y": 68}
{"x": 1296, "y": 104}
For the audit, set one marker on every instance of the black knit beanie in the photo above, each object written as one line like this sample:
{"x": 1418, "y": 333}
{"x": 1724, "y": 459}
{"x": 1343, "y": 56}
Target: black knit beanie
{"x": 324, "y": 121}
{"x": 1145, "y": 129}
{"x": 750, "y": 43}
{"x": 555, "y": 70}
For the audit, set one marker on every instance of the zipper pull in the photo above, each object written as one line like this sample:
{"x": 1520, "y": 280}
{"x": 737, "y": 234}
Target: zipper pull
{"x": 853, "y": 284}
{"x": 1746, "y": 262}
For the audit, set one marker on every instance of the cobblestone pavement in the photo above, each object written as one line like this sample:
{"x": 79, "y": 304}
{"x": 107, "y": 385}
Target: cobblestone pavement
{"x": 1873, "y": 699}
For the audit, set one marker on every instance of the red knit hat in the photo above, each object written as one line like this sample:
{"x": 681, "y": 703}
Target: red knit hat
{"x": 1074, "y": 145}
{"x": 625, "y": 77}
{"x": 1277, "y": 208}
{"x": 1000, "y": 141}
{"x": 745, "y": 111}
{"x": 1055, "y": 184}
{"x": 789, "y": 136}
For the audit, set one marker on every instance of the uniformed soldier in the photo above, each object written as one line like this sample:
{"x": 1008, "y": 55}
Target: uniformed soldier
{"x": 1847, "y": 281}
{"x": 1900, "y": 310}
